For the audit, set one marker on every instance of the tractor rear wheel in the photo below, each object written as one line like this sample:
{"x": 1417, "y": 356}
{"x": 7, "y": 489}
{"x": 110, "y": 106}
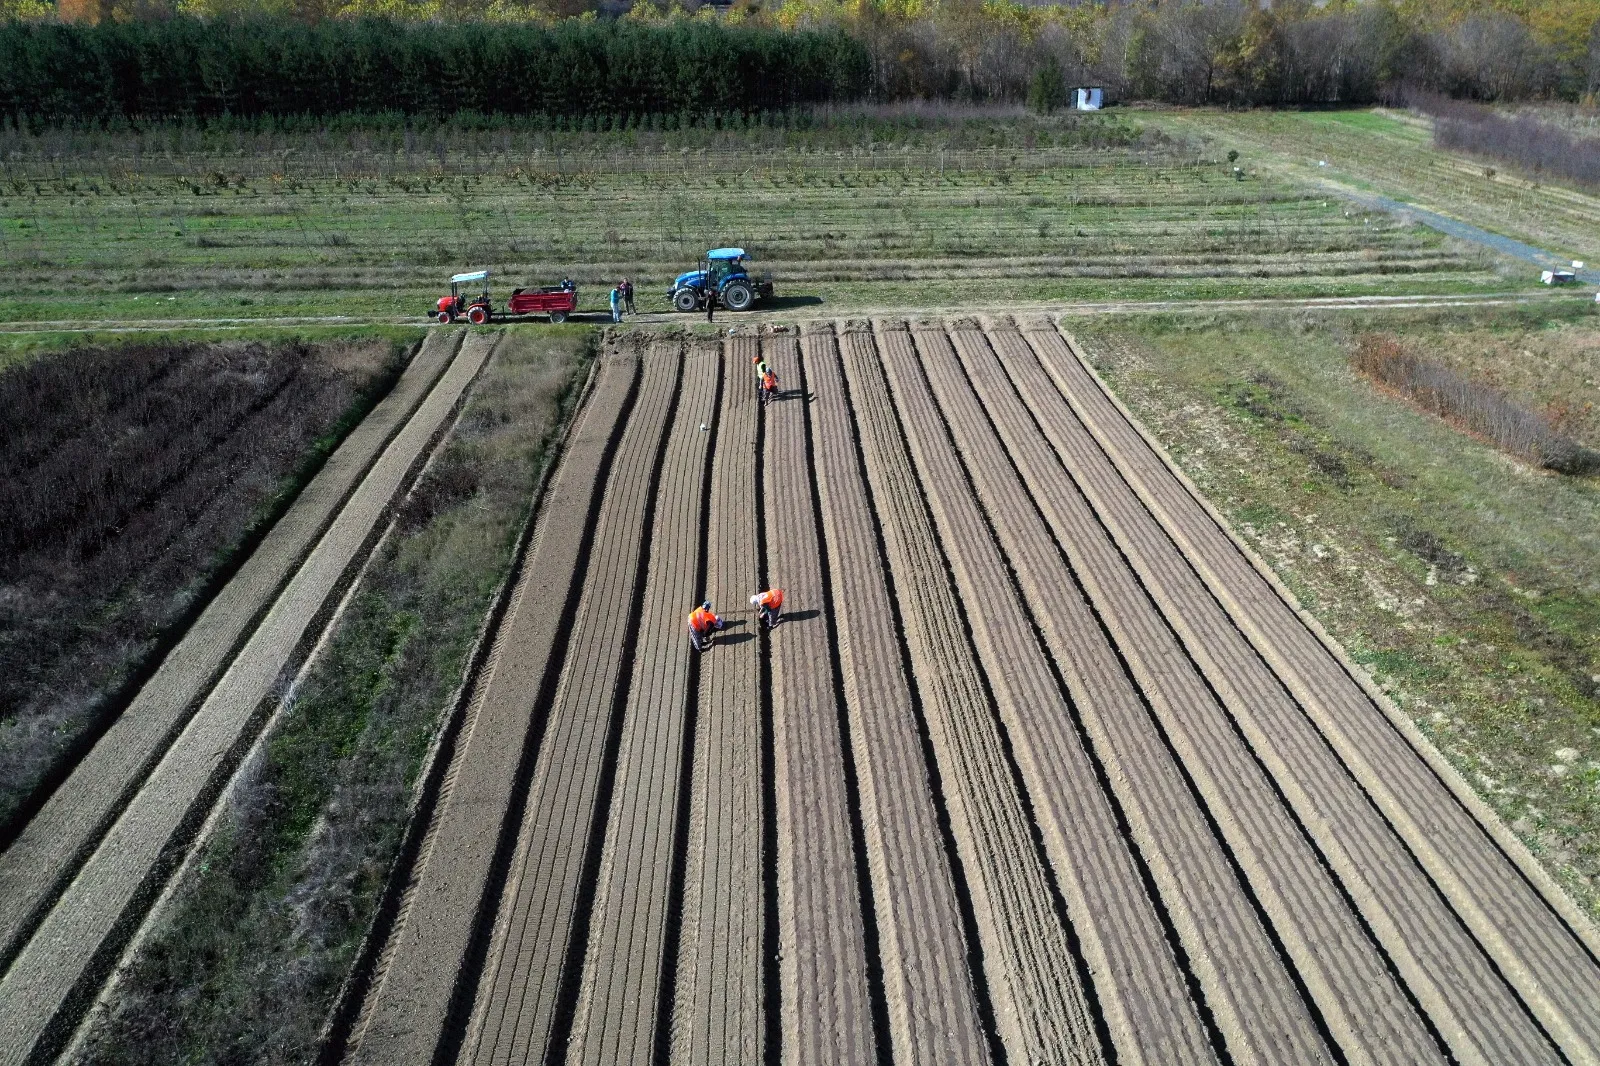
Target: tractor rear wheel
{"x": 477, "y": 314}
{"x": 685, "y": 300}
{"x": 557, "y": 317}
{"x": 737, "y": 296}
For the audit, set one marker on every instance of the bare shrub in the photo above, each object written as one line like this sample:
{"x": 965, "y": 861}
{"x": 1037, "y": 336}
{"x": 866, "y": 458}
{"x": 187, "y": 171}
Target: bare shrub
{"x": 1480, "y": 409}
{"x": 1537, "y": 147}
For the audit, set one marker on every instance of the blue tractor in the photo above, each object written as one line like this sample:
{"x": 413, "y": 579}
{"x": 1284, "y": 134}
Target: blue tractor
{"x": 722, "y": 272}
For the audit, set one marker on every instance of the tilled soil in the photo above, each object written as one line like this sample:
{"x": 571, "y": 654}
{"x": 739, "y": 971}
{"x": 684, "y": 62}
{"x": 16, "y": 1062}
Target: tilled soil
{"x": 79, "y": 878}
{"x": 1040, "y": 767}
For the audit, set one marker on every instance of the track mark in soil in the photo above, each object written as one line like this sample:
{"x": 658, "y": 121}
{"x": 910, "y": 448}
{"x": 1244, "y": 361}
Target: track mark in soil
{"x": 1026, "y": 946}
{"x": 717, "y": 1013}
{"x": 1401, "y": 913}
{"x": 618, "y": 1001}
{"x": 834, "y": 1005}
{"x": 930, "y": 990}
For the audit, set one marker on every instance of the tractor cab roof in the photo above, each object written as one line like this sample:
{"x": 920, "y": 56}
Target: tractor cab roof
{"x": 476, "y": 275}
{"x": 725, "y": 253}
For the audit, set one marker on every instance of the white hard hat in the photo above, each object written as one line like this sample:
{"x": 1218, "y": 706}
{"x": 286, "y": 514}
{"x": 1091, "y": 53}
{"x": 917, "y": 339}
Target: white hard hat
{"x": 756, "y": 598}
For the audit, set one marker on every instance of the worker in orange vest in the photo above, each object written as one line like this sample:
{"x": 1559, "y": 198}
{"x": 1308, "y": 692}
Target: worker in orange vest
{"x": 769, "y": 387}
{"x": 768, "y": 605}
{"x": 702, "y": 623}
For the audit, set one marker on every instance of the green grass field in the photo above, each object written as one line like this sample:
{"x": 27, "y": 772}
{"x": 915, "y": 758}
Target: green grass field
{"x": 116, "y": 229}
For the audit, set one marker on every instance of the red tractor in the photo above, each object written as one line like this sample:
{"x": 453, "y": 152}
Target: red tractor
{"x": 556, "y": 301}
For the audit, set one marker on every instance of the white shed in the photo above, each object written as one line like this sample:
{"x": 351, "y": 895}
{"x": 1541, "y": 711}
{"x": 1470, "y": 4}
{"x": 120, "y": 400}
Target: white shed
{"x": 1088, "y": 99}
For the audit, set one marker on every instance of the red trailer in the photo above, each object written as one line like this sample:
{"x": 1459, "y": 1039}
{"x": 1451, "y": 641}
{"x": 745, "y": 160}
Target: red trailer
{"x": 555, "y": 301}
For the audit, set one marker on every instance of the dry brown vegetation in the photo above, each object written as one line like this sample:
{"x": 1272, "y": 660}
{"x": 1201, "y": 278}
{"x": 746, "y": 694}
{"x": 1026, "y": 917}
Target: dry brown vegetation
{"x": 1476, "y": 406}
{"x": 130, "y": 477}
{"x": 1523, "y": 139}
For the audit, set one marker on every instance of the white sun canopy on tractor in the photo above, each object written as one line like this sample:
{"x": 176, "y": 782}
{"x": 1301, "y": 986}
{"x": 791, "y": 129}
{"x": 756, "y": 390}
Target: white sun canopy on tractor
{"x": 476, "y": 275}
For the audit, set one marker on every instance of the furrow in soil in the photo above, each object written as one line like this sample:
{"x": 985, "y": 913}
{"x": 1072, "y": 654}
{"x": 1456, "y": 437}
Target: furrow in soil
{"x": 616, "y": 1019}
{"x": 1247, "y": 987}
{"x": 928, "y": 987}
{"x": 1452, "y": 982}
{"x": 57, "y": 971}
{"x": 515, "y": 1003}
{"x": 1137, "y": 985}
{"x": 1525, "y": 932}
{"x": 49, "y": 850}
{"x": 716, "y": 1015}
{"x": 1365, "y": 1010}
{"x": 1040, "y": 1010}
{"x": 825, "y": 998}
{"x": 406, "y": 1011}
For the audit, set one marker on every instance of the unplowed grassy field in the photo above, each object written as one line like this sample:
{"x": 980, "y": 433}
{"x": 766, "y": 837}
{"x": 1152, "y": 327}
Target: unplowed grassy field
{"x": 1041, "y": 766}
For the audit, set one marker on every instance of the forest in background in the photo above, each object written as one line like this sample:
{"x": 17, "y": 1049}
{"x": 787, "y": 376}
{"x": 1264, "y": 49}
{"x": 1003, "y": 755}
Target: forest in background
{"x": 150, "y": 60}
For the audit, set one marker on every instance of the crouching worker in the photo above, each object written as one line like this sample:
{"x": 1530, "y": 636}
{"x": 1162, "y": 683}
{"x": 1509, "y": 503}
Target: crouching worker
{"x": 769, "y": 605}
{"x": 702, "y": 624}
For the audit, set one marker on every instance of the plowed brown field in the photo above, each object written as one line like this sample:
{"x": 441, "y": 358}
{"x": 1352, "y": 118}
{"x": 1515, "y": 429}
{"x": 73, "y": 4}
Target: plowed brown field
{"x": 1040, "y": 767}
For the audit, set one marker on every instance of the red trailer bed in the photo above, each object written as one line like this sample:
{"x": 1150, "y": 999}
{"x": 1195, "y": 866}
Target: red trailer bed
{"x": 552, "y": 300}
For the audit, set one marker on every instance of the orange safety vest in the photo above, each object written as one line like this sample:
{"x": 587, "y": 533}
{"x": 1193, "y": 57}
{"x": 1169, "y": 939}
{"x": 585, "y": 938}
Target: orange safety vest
{"x": 772, "y": 599}
{"x": 769, "y": 381}
{"x": 701, "y": 620}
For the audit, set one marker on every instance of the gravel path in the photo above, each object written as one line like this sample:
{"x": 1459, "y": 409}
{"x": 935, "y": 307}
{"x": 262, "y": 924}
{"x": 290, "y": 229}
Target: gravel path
{"x": 181, "y": 765}
{"x": 1042, "y": 767}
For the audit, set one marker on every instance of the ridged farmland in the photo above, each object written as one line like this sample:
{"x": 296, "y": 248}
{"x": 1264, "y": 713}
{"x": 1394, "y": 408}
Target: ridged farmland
{"x": 1040, "y": 767}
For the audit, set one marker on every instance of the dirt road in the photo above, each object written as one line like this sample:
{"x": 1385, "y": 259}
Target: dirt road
{"x": 79, "y": 877}
{"x": 1041, "y": 766}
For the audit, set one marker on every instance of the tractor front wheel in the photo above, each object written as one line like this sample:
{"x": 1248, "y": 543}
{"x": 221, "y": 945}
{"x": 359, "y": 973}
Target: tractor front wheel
{"x": 477, "y": 314}
{"x": 685, "y": 300}
{"x": 445, "y": 318}
{"x": 737, "y": 296}
{"x": 557, "y": 317}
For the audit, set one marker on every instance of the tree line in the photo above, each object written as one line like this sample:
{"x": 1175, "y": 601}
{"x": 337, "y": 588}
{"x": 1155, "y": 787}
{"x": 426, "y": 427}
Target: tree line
{"x": 529, "y": 57}
{"x": 1227, "y": 52}
{"x": 181, "y": 67}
